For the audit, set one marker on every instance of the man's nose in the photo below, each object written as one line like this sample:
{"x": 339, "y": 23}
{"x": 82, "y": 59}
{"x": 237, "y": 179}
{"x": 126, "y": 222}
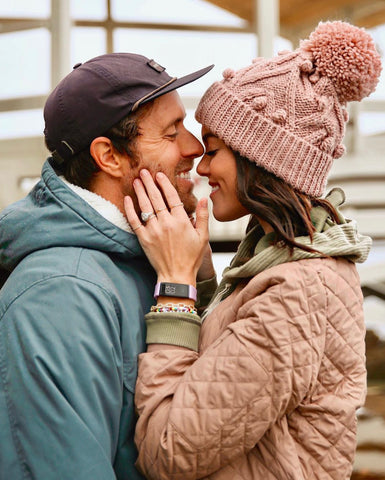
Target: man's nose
{"x": 190, "y": 145}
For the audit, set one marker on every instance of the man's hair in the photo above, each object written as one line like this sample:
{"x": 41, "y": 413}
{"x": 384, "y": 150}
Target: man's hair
{"x": 271, "y": 199}
{"x": 81, "y": 168}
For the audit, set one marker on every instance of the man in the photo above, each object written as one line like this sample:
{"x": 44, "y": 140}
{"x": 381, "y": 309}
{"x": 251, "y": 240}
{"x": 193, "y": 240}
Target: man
{"x": 71, "y": 311}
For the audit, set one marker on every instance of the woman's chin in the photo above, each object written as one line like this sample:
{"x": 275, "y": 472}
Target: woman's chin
{"x": 227, "y": 216}
{"x": 222, "y": 216}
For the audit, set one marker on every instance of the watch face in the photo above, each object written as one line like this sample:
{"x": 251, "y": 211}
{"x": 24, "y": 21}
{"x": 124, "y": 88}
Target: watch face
{"x": 174, "y": 290}
{"x": 169, "y": 289}
{"x": 179, "y": 290}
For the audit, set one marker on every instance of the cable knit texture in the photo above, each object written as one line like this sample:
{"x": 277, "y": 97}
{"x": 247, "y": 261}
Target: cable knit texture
{"x": 287, "y": 114}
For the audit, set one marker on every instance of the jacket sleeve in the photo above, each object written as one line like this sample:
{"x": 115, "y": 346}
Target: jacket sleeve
{"x": 61, "y": 383}
{"x": 198, "y": 413}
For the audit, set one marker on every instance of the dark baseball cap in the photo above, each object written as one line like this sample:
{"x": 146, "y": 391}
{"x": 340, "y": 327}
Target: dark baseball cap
{"x": 99, "y": 93}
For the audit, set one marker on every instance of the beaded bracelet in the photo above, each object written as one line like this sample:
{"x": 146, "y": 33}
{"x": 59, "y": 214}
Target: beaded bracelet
{"x": 172, "y": 307}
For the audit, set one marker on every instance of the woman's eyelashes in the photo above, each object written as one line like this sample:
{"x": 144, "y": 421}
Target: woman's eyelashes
{"x": 211, "y": 153}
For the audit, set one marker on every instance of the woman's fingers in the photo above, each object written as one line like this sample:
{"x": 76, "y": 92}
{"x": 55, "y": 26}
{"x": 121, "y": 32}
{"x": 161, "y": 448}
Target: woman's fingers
{"x": 132, "y": 217}
{"x": 151, "y": 202}
{"x": 146, "y": 208}
{"x": 155, "y": 194}
{"x": 171, "y": 260}
{"x": 171, "y": 195}
{"x": 152, "y": 191}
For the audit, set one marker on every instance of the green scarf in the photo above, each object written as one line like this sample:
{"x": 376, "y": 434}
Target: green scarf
{"x": 330, "y": 239}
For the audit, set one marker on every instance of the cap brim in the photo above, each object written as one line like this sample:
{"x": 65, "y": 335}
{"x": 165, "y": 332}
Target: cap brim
{"x": 179, "y": 82}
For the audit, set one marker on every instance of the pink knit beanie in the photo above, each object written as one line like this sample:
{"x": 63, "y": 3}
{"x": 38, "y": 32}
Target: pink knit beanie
{"x": 287, "y": 114}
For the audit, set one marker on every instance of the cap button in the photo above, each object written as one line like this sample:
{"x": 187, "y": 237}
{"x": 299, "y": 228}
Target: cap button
{"x": 77, "y": 65}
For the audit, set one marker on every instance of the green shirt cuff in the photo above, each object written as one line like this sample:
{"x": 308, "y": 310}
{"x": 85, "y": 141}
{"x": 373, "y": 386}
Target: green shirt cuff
{"x": 181, "y": 329}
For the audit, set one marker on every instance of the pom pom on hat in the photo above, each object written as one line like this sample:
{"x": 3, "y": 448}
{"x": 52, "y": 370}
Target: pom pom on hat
{"x": 346, "y": 54}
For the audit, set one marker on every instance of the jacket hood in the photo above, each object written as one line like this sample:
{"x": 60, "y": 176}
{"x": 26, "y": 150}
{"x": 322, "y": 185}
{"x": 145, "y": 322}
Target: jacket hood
{"x": 52, "y": 215}
{"x": 330, "y": 239}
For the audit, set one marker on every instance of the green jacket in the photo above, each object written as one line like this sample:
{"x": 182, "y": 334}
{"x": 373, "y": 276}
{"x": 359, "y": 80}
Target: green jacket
{"x": 71, "y": 328}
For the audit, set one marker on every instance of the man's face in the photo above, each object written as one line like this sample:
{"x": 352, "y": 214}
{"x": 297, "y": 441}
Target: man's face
{"x": 165, "y": 145}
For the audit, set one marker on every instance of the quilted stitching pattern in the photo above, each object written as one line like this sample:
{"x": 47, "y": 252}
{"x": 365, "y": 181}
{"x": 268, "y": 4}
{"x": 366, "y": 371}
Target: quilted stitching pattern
{"x": 274, "y": 391}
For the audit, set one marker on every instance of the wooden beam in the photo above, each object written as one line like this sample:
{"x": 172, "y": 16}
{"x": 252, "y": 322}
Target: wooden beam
{"x": 242, "y": 8}
{"x": 60, "y": 28}
{"x": 377, "y": 290}
{"x": 109, "y": 29}
{"x": 22, "y": 103}
{"x": 358, "y": 177}
{"x": 316, "y": 10}
{"x": 8, "y": 25}
{"x": 363, "y": 206}
{"x": 164, "y": 26}
{"x": 372, "y": 20}
{"x": 299, "y": 17}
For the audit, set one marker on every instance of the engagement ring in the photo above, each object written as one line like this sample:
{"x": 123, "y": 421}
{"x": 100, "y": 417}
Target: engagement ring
{"x": 147, "y": 215}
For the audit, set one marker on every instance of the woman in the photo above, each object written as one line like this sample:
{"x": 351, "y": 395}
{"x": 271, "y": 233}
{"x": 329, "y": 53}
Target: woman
{"x": 271, "y": 389}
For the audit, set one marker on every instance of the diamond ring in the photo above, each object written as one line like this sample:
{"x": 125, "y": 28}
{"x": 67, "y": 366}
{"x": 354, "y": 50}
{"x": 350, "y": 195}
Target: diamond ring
{"x": 147, "y": 215}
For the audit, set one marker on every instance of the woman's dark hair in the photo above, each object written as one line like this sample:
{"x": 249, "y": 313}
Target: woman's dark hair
{"x": 81, "y": 168}
{"x": 273, "y": 200}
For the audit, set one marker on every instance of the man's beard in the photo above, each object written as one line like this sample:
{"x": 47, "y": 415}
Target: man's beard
{"x": 188, "y": 198}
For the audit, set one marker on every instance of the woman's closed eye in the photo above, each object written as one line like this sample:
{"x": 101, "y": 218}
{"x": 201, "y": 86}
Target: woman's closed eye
{"x": 211, "y": 153}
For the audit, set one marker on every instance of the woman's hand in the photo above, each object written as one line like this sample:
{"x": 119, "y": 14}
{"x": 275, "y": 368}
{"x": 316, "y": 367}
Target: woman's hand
{"x": 173, "y": 245}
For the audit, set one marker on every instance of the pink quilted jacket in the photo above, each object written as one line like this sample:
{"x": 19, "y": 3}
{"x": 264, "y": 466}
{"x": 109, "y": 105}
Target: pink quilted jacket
{"x": 274, "y": 390}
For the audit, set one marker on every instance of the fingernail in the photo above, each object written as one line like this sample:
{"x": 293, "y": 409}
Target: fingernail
{"x": 160, "y": 175}
{"x": 136, "y": 182}
{"x": 144, "y": 172}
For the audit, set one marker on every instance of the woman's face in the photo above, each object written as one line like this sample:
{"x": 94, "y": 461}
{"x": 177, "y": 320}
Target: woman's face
{"x": 218, "y": 164}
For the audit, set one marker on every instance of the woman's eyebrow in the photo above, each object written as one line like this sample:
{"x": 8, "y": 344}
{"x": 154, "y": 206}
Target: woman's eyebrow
{"x": 208, "y": 135}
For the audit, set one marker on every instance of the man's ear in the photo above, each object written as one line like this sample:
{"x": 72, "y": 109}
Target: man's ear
{"x": 107, "y": 157}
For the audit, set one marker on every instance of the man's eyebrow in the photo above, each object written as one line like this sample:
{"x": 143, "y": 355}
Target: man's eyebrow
{"x": 175, "y": 121}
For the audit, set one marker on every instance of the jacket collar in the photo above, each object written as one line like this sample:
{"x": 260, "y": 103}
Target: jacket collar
{"x": 104, "y": 207}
